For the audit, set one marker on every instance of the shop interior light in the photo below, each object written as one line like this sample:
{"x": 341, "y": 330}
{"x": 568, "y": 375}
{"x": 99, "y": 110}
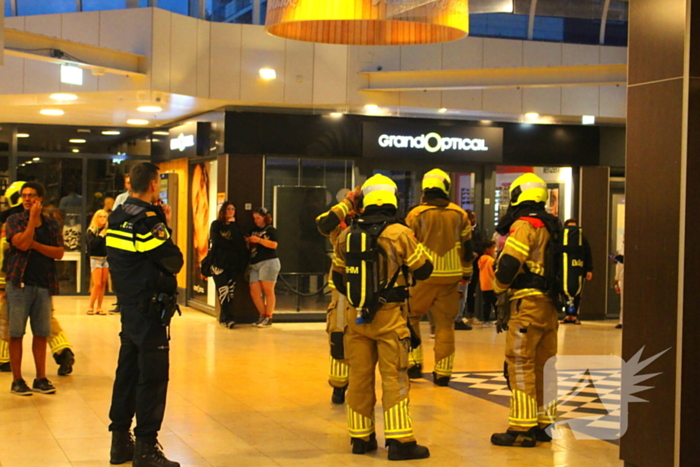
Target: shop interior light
{"x": 371, "y": 107}
{"x": 588, "y": 119}
{"x": 61, "y": 96}
{"x": 36, "y": 159}
{"x": 161, "y": 133}
{"x": 52, "y": 112}
{"x": 28, "y": 162}
{"x": 137, "y": 121}
{"x": 76, "y": 141}
{"x": 111, "y": 132}
{"x": 443, "y": 110}
{"x": 150, "y": 109}
{"x": 23, "y": 135}
{"x": 71, "y": 75}
{"x": 267, "y": 73}
{"x": 336, "y": 114}
{"x": 486, "y": 122}
{"x": 532, "y": 115}
{"x": 75, "y": 150}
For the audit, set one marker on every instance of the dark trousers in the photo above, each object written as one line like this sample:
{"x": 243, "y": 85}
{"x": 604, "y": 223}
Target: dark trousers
{"x": 471, "y": 290}
{"x": 225, "y": 286}
{"x": 141, "y": 382}
{"x": 489, "y": 303}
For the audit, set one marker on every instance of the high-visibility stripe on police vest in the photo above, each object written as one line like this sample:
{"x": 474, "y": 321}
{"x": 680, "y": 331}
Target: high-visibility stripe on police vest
{"x": 116, "y": 240}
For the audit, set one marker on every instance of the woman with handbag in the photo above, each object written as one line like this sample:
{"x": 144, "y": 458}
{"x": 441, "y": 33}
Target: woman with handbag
{"x": 227, "y": 257}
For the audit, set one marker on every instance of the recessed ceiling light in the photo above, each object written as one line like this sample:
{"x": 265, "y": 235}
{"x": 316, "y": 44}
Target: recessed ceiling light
{"x": 371, "y": 107}
{"x": 486, "y": 122}
{"x": 36, "y": 158}
{"x": 77, "y": 141}
{"x": 336, "y": 114}
{"x": 442, "y": 111}
{"x": 23, "y": 135}
{"x": 267, "y": 73}
{"x": 28, "y": 162}
{"x": 161, "y": 133}
{"x": 588, "y": 119}
{"x": 137, "y": 121}
{"x": 532, "y": 115}
{"x": 111, "y": 132}
{"x": 150, "y": 108}
{"x": 75, "y": 150}
{"x": 52, "y": 112}
{"x": 60, "y": 96}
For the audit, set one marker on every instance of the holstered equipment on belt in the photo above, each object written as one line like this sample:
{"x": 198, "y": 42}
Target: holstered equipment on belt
{"x": 502, "y": 312}
{"x": 164, "y": 306}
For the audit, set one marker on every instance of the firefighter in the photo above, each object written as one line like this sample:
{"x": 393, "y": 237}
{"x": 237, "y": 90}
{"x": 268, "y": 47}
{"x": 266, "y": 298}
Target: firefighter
{"x": 531, "y": 338}
{"x": 444, "y": 230}
{"x": 143, "y": 262}
{"x": 385, "y": 339}
{"x": 331, "y": 224}
{"x": 60, "y": 346}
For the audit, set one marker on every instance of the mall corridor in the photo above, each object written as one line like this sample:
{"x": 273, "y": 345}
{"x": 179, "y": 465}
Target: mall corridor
{"x": 259, "y": 398}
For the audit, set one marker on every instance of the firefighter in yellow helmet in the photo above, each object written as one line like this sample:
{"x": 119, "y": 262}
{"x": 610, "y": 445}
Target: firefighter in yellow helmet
{"x": 444, "y": 230}
{"x": 377, "y": 327}
{"x": 531, "y": 338}
{"x": 58, "y": 342}
{"x": 331, "y": 224}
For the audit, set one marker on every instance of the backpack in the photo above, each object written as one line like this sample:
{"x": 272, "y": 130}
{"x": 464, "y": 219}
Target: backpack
{"x": 571, "y": 257}
{"x": 366, "y": 290}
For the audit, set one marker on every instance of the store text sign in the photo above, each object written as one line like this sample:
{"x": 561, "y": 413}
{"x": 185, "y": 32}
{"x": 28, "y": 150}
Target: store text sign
{"x": 449, "y": 142}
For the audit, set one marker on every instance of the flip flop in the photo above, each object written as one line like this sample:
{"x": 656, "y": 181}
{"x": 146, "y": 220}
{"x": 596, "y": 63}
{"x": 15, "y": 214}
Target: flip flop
{"x": 91, "y": 312}
{"x": 101, "y": 313}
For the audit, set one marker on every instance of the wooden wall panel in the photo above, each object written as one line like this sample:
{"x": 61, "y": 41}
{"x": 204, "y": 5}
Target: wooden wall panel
{"x": 181, "y": 168}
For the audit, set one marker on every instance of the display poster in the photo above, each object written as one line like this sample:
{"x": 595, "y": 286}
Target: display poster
{"x": 203, "y": 200}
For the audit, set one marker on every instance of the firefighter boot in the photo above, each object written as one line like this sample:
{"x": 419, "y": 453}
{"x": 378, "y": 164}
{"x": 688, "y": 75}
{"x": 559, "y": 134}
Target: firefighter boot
{"x": 150, "y": 454}
{"x": 360, "y": 446}
{"x": 399, "y": 451}
{"x": 339, "y": 395}
{"x": 122, "y": 449}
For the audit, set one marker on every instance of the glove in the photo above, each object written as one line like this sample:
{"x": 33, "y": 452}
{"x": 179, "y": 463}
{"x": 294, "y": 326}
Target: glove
{"x": 502, "y": 312}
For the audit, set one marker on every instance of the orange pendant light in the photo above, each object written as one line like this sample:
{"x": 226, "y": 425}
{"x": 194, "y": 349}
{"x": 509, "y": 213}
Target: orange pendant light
{"x": 368, "y": 22}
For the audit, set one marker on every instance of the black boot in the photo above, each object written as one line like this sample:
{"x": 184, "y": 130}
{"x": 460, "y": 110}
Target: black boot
{"x": 360, "y": 446}
{"x": 405, "y": 451}
{"x": 522, "y": 439}
{"x": 150, "y": 454}
{"x": 339, "y": 395}
{"x": 5, "y": 367}
{"x": 542, "y": 435}
{"x": 416, "y": 371}
{"x": 443, "y": 381}
{"x": 65, "y": 360}
{"x": 122, "y": 447}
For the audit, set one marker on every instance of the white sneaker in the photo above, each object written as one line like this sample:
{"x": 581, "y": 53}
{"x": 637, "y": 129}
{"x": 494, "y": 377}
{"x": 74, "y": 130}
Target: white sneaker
{"x": 260, "y": 320}
{"x": 475, "y": 322}
{"x": 266, "y": 322}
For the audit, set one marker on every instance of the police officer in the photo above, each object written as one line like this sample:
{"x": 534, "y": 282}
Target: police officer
{"x": 143, "y": 261}
{"x": 58, "y": 342}
{"x": 331, "y": 224}
{"x": 531, "y": 337}
{"x": 444, "y": 230}
{"x": 386, "y": 339}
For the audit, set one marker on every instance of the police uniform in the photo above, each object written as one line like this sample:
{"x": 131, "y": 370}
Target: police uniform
{"x": 143, "y": 261}
{"x": 444, "y": 230}
{"x": 385, "y": 341}
{"x": 331, "y": 224}
{"x": 531, "y": 338}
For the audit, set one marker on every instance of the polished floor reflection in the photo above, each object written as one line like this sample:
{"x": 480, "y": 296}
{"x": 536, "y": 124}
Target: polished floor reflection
{"x": 258, "y": 397}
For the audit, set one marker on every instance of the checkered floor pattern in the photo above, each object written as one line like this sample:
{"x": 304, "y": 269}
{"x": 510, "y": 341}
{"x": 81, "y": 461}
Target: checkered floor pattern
{"x": 591, "y": 396}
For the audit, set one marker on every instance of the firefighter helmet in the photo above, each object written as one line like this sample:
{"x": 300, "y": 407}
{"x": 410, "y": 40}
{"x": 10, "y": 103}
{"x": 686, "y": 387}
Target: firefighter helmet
{"x": 379, "y": 190}
{"x": 528, "y": 187}
{"x": 437, "y": 179}
{"x": 13, "y": 194}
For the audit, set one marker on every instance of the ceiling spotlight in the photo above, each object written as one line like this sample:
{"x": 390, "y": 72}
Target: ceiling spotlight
{"x": 150, "y": 109}
{"x": 36, "y": 159}
{"x": 52, "y": 112}
{"x": 442, "y": 111}
{"x": 486, "y": 122}
{"x": 76, "y": 141}
{"x": 588, "y": 119}
{"x": 23, "y": 135}
{"x": 137, "y": 121}
{"x": 111, "y": 132}
{"x": 28, "y": 162}
{"x": 267, "y": 73}
{"x": 532, "y": 115}
{"x": 161, "y": 133}
{"x": 75, "y": 150}
{"x": 336, "y": 114}
{"x": 60, "y": 96}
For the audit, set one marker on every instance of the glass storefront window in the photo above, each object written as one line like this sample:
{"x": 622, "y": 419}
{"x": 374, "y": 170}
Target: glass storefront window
{"x": 176, "y": 6}
{"x": 95, "y": 5}
{"x": 42, "y": 7}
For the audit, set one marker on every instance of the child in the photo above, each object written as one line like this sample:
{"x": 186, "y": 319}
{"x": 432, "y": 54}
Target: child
{"x": 486, "y": 278}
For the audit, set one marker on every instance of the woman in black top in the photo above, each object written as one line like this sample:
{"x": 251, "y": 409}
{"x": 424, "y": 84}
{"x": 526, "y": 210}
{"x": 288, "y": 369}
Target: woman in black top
{"x": 99, "y": 269}
{"x": 229, "y": 255}
{"x": 264, "y": 266}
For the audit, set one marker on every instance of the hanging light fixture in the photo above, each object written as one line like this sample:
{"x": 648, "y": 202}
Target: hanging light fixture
{"x": 368, "y": 22}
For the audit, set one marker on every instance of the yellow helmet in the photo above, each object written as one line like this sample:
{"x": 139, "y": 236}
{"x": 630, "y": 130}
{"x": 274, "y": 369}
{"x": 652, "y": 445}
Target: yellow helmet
{"x": 437, "y": 178}
{"x": 13, "y": 194}
{"x": 528, "y": 187}
{"x": 379, "y": 190}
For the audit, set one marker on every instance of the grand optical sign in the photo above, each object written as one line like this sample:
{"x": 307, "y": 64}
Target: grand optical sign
{"x": 446, "y": 141}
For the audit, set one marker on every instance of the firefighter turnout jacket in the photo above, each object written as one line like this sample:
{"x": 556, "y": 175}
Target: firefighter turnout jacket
{"x": 143, "y": 259}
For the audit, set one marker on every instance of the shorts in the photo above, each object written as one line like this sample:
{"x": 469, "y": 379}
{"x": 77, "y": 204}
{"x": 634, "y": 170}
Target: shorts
{"x": 97, "y": 262}
{"x": 265, "y": 270}
{"x": 30, "y": 302}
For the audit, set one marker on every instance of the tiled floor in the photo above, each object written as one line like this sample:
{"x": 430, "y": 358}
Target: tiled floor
{"x": 258, "y": 397}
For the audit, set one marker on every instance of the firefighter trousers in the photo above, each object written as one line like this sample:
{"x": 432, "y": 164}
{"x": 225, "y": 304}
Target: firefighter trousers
{"x": 57, "y": 340}
{"x": 384, "y": 342}
{"x": 531, "y": 341}
{"x": 442, "y": 300}
{"x": 335, "y": 327}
